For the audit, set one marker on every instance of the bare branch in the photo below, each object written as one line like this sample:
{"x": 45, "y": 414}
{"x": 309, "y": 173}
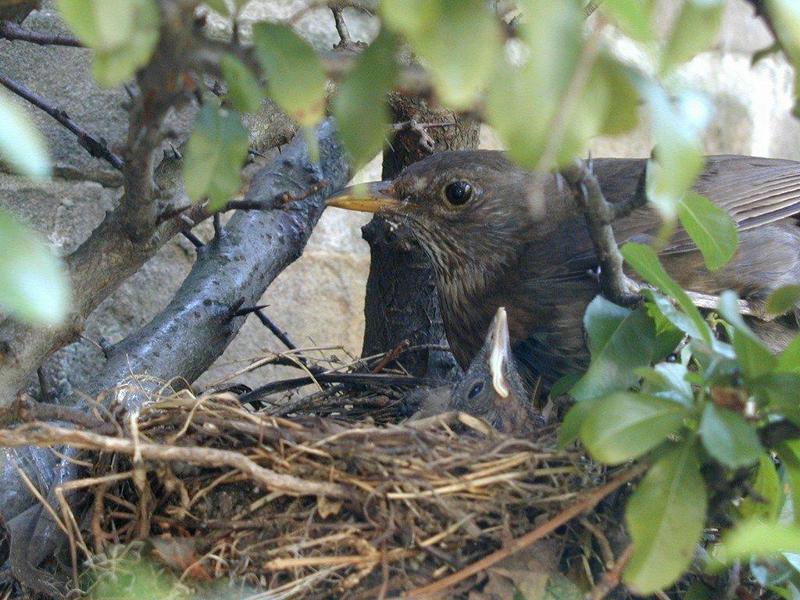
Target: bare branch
{"x": 12, "y": 31}
{"x": 96, "y": 147}
{"x": 600, "y": 214}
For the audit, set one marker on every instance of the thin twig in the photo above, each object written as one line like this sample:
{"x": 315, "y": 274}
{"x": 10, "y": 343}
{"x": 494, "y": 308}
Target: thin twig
{"x": 349, "y": 378}
{"x": 345, "y": 41}
{"x": 612, "y": 577}
{"x": 600, "y": 214}
{"x": 584, "y": 504}
{"x": 96, "y": 147}
{"x": 13, "y": 31}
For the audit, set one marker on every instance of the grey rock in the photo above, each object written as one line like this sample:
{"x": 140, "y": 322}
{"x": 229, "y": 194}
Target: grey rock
{"x": 62, "y": 76}
{"x": 64, "y": 211}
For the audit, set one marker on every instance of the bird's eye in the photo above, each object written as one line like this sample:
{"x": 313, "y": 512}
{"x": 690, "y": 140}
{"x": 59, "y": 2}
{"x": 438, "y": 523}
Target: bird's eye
{"x": 475, "y": 390}
{"x": 458, "y": 192}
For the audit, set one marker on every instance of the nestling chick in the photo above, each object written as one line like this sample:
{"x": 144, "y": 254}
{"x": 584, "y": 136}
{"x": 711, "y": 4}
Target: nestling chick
{"x": 491, "y": 388}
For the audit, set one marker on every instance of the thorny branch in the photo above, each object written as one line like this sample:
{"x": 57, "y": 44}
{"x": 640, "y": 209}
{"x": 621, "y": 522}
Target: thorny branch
{"x": 600, "y": 214}
{"x": 96, "y": 147}
{"x": 12, "y": 31}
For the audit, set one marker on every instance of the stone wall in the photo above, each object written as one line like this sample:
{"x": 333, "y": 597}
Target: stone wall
{"x": 319, "y": 299}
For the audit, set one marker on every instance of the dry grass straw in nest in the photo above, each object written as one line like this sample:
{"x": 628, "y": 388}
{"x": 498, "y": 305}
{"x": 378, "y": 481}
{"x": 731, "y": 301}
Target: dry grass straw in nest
{"x": 315, "y": 507}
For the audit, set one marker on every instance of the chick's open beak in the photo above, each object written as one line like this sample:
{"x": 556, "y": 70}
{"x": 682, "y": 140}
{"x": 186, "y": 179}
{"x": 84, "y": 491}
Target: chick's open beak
{"x": 374, "y": 197}
{"x": 500, "y": 352}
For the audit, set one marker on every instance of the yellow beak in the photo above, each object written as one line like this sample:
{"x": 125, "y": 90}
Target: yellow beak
{"x": 374, "y": 197}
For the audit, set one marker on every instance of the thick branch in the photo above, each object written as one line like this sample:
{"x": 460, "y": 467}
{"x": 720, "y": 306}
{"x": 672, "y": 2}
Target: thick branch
{"x": 234, "y": 269}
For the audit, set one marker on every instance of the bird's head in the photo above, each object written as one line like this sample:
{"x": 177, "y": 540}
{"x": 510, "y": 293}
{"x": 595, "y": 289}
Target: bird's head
{"x": 460, "y": 204}
{"x": 492, "y": 386}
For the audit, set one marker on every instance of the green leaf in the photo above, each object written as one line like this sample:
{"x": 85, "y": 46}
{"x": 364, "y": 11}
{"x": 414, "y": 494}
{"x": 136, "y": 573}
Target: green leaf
{"x": 622, "y": 109}
{"x": 551, "y": 34}
{"x": 362, "y": 116}
{"x": 785, "y": 17}
{"x": 665, "y": 517}
{"x": 573, "y": 421}
{"x": 411, "y": 17}
{"x": 613, "y": 366}
{"x": 645, "y": 262}
{"x": 767, "y": 487}
{"x": 459, "y": 43}
{"x": 710, "y": 227}
{"x": 296, "y": 78}
{"x": 601, "y": 320}
{"x": 778, "y": 391}
{"x": 756, "y": 538}
{"x": 214, "y": 156}
{"x": 21, "y": 145}
{"x": 244, "y": 91}
{"x": 789, "y": 454}
{"x": 631, "y": 16}
{"x": 784, "y": 299}
{"x": 626, "y": 425}
{"x": 668, "y": 381}
{"x": 462, "y": 72}
{"x": 123, "y": 34}
{"x": 789, "y": 359}
{"x": 679, "y": 151}
{"x": 694, "y": 30}
{"x": 219, "y": 6}
{"x": 33, "y": 283}
{"x": 729, "y": 438}
{"x": 668, "y": 333}
{"x": 754, "y": 358}
{"x": 698, "y": 591}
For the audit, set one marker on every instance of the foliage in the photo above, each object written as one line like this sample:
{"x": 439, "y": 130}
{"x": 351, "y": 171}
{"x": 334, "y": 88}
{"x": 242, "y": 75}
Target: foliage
{"x": 706, "y": 409}
{"x": 123, "y": 34}
{"x": 547, "y": 83}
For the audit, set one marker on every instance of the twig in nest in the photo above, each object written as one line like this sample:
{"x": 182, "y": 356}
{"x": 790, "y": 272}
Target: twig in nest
{"x": 12, "y": 31}
{"x": 600, "y": 214}
{"x": 586, "y": 503}
{"x": 52, "y": 435}
{"x": 612, "y": 577}
{"x": 29, "y": 409}
{"x": 351, "y": 378}
{"x": 96, "y": 147}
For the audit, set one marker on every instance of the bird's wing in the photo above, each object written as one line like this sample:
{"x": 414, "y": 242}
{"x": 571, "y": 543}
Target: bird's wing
{"x": 754, "y": 191}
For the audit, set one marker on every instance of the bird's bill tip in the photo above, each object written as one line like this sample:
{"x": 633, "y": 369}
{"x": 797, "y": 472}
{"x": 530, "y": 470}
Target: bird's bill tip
{"x": 374, "y": 197}
{"x": 500, "y": 352}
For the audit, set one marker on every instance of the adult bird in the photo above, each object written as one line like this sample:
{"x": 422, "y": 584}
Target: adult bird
{"x": 498, "y": 235}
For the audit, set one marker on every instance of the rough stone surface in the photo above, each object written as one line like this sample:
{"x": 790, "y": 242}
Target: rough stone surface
{"x": 63, "y": 76}
{"x": 64, "y": 211}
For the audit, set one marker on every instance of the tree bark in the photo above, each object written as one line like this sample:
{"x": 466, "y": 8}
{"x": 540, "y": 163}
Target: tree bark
{"x": 186, "y": 337}
{"x": 401, "y": 300}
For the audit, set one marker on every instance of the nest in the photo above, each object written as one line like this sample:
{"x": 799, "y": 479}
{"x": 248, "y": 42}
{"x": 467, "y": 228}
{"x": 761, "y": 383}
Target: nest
{"x": 308, "y": 506}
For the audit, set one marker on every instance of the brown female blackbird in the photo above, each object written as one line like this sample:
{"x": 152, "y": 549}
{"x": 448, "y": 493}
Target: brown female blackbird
{"x": 498, "y": 235}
